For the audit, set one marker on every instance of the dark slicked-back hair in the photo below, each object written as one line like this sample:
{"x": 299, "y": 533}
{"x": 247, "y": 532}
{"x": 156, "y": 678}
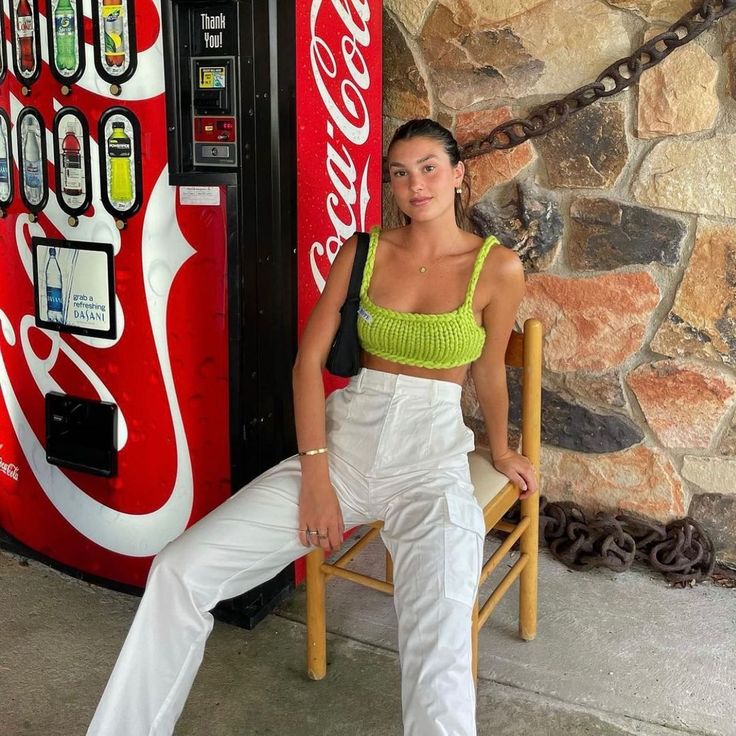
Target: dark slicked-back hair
{"x": 427, "y": 128}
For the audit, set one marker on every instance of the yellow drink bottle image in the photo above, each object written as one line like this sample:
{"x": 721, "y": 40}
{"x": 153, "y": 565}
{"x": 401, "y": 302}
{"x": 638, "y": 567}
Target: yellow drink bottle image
{"x": 119, "y": 151}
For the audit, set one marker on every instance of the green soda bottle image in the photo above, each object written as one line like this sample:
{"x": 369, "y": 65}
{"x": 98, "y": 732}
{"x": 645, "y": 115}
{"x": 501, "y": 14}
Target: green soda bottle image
{"x": 65, "y": 36}
{"x": 119, "y": 152}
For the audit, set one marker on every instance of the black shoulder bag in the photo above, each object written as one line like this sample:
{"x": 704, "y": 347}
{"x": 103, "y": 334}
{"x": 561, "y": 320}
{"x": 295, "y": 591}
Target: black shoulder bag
{"x": 344, "y": 356}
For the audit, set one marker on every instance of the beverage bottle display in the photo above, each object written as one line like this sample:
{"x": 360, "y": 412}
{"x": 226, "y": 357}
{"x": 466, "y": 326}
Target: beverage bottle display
{"x": 4, "y": 168}
{"x": 72, "y": 181}
{"x": 24, "y": 35}
{"x": 54, "y": 303}
{"x": 32, "y": 178}
{"x": 65, "y": 36}
{"x": 121, "y": 177}
{"x": 113, "y": 19}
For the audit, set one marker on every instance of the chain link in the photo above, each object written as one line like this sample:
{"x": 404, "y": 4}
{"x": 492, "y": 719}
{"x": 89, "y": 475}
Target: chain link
{"x": 681, "y": 550}
{"x": 617, "y": 77}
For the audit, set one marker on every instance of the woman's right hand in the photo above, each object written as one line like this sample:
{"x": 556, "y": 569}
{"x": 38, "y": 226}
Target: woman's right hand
{"x": 319, "y": 511}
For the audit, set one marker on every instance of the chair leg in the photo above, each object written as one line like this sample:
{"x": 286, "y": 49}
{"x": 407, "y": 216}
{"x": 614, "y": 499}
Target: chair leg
{"x": 529, "y": 544}
{"x": 389, "y": 568}
{"x": 316, "y": 624}
{"x": 474, "y": 638}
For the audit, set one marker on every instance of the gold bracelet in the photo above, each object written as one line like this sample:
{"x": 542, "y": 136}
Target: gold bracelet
{"x": 318, "y": 451}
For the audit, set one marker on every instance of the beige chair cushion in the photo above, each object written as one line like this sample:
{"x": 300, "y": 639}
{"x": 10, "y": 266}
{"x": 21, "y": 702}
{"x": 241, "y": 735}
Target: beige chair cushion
{"x": 487, "y": 481}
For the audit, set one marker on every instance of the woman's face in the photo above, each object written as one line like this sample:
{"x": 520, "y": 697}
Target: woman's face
{"x": 423, "y": 180}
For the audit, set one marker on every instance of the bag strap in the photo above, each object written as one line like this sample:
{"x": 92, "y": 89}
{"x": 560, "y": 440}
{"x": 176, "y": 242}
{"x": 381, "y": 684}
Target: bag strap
{"x": 356, "y": 275}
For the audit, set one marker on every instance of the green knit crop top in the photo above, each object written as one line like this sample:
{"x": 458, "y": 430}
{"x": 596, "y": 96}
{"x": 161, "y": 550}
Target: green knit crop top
{"x": 444, "y": 340}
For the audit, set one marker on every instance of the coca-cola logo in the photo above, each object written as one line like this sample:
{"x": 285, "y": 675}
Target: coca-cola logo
{"x": 339, "y": 36}
{"x": 9, "y": 469}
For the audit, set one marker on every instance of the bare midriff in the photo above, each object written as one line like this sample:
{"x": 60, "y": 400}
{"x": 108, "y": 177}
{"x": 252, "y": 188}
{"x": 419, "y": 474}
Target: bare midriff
{"x": 454, "y": 375}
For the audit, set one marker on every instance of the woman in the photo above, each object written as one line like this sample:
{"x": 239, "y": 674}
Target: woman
{"x": 391, "y": 446}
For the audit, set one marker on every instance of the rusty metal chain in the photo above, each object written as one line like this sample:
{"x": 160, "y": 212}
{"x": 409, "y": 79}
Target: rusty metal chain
{"x": 681, "y": 550}
{"x": 617, "y": 77}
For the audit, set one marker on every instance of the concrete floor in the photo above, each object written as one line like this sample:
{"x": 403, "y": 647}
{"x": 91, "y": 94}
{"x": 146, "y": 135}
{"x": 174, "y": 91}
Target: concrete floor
{"x": 615, "y": 655}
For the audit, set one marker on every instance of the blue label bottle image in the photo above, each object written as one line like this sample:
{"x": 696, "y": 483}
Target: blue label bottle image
{"x": 54, "y": 304}
{"x": 32, "y": 177}
{"x": 4, "y": 167}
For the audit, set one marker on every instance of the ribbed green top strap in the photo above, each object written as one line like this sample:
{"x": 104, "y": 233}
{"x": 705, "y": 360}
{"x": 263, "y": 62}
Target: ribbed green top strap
{"x": 488, "y": 243}
{"x": 485, "y": 249}
{"x": 370, "y": 260}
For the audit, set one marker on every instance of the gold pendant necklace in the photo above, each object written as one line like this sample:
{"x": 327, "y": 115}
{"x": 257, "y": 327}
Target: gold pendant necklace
{"x": 425, "y": 266}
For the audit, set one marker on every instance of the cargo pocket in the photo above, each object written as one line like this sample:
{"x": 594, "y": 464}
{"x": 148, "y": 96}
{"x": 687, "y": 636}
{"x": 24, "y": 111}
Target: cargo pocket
{"x": 464, "y": 533}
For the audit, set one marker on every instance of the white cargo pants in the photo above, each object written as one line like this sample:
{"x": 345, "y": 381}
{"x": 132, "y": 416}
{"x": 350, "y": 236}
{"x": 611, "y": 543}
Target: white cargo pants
{"x": 398, "y": 452}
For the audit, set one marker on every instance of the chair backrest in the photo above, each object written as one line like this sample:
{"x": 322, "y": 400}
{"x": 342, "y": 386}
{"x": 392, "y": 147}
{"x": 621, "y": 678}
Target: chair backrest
{"x": 525, "y": 351}
{"x": 515, "y": 350}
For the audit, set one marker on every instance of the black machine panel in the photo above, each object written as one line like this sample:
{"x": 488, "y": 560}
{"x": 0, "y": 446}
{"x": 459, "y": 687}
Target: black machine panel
{"x": 230, "y": 90}
{"x": 81, "y": 434}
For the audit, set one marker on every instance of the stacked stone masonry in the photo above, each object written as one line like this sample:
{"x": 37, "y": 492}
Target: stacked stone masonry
{"x": 625, "y": 219}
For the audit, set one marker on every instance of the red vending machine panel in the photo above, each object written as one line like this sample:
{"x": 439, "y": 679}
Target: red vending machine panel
{"x": 176, "y": 177}
{"x": 92, "y": 230}
{"x": 339, "y": 134}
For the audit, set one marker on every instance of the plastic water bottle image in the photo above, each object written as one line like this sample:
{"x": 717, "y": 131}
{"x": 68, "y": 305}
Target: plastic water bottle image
{"x": 4, "y": 166}
{"x": 72, "y": 177}
{"x": 54, "y": 300}
{"x": 32, "y": 177}
{"x": 119, "y": 151}
{"x": 65, "y": 36}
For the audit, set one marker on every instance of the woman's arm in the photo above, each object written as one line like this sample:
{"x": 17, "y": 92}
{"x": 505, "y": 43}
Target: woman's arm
{"x": 504, "y": 280}
{"x": 318, "y": 505}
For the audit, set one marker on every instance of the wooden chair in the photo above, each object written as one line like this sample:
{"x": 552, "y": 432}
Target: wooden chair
{"x": 495, "y": 494}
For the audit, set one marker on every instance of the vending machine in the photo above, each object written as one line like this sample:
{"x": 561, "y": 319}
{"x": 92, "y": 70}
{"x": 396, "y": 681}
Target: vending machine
{"x": 175, "y": 179}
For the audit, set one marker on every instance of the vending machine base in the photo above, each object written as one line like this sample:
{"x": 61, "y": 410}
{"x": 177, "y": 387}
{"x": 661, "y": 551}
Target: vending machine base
{"x": 245, "y": 611}
{"x": 12, "y": 545}
{"x": 249, "y": 609}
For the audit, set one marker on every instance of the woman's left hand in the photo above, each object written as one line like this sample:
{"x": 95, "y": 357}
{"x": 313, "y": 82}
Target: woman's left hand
{"x": 519, "y": 471}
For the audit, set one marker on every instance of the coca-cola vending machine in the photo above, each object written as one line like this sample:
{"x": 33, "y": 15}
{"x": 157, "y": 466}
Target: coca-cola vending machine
{"x": 175, "y": 179}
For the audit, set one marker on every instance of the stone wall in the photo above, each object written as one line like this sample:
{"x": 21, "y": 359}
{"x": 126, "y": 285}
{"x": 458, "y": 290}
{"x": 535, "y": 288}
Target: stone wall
{"x": 625, "y": 219}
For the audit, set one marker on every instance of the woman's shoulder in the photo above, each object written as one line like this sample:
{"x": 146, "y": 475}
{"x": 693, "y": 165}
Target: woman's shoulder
{"x": 394, "y": 235}
{"x": 501, "y": 276}
{"x": 347, "y": 249}
{"x": 501, "y": 263}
